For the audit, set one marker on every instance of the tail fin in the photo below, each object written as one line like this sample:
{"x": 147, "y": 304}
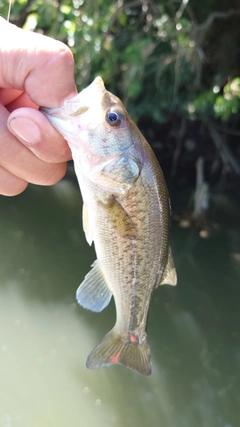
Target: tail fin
{"x": 113, "y": 350}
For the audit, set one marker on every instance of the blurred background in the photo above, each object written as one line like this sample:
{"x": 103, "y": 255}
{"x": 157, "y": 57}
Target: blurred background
{"x": 176, "y": 66}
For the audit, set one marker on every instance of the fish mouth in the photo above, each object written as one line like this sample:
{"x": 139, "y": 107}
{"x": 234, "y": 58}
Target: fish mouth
{"x": 97, "y": 86}
{"x": 80, "y": 103}
{"x": 65, "y": 118}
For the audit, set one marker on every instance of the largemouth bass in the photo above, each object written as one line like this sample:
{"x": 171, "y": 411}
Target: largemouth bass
{"x": 126, "y": 213}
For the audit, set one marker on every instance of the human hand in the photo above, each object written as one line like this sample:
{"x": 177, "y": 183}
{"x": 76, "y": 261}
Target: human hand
{"x": 35, "y": 71}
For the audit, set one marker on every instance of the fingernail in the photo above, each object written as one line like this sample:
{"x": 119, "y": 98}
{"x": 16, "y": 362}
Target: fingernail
{"x": 25, "y": 129}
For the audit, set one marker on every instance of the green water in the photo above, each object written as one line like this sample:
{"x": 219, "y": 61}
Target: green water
{"x": 45, "y": 337}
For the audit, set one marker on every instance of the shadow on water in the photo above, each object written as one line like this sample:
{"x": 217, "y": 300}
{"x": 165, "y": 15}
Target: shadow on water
{"x": 45, "y": 338}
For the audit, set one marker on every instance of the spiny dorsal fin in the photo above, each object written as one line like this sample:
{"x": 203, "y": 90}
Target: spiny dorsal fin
{"x": 94, "y": 293}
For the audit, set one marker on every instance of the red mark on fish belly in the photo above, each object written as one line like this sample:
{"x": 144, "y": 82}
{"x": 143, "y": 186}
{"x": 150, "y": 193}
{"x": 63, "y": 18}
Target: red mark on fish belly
{"x": 115, "y": 358}
{"x": 133, "y": 339}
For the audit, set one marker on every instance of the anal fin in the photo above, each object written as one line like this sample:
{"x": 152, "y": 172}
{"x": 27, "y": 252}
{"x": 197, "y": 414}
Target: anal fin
{"x": 94, "y": 293}
{"x": 170, "y": 275}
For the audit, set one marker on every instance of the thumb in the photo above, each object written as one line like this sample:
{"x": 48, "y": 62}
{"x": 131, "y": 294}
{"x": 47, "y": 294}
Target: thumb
{"x": 36, "y": 64}
{"x": 35, "y": 131}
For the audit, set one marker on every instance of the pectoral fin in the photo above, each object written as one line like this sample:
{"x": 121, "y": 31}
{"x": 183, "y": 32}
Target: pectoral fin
{"x": 94, "y": 293}
{"x": 170, "y": 275}
{"x": 86, "y": 224}
{"x": 121, "y": 221}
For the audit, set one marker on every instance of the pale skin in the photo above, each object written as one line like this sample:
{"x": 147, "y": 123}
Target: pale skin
{"x": 35, "y": 71}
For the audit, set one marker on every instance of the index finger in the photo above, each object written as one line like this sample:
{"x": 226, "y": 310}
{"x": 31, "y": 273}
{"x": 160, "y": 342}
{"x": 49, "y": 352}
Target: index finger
{"x": 37, "y": 64}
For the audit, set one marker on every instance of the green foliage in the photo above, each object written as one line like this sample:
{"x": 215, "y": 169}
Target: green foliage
{"x": 229, "y": 103}
{"x": 154, "y": 55}
{"x": 209, "y": 104}
{"x": 203, "y": 104}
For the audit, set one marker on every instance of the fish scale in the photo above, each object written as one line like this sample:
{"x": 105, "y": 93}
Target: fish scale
{"x": 126, "y": 214}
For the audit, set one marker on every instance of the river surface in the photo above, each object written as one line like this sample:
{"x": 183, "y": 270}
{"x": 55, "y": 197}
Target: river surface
{"x": 194, "y": 328}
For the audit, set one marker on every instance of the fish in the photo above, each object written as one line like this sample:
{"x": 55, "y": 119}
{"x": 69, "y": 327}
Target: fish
{"x": 126, "y": 213}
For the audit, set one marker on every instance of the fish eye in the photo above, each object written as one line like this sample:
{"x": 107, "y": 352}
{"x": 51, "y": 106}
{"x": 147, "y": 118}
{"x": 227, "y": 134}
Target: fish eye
{"x": 114, "y": 118}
